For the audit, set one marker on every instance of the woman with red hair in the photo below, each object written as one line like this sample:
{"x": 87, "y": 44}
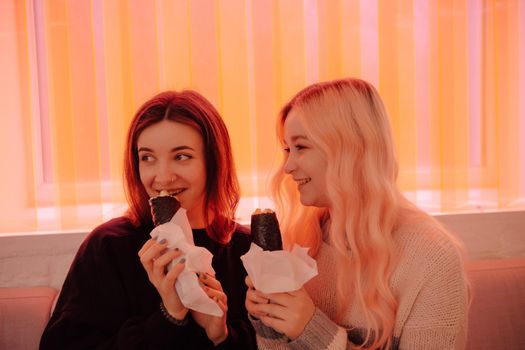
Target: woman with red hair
{"x": 390, "y": 276}
{"x": 119, "y": 293}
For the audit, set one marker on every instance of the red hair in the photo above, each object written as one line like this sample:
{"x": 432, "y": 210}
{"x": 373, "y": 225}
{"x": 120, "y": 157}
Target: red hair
{"x": 222, "y": 187}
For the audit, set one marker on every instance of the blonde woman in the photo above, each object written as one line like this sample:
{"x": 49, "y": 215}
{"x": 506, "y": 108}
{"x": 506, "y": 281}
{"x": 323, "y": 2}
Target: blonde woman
{"x": 390, "y": 276}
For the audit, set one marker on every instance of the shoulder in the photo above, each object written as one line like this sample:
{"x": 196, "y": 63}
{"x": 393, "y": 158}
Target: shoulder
{"x": 116, "y": 227}
{"x": 427, "y": 251}
{"x": 241, "y": 238}
{"x": 426, "y": 241}
{"x": 114, "y": 230}
{"x": 242, "y": 230}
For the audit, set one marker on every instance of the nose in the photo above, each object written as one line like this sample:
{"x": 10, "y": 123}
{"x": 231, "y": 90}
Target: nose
{"x": 289, "y": 164}
{"x": 164, "y": 176}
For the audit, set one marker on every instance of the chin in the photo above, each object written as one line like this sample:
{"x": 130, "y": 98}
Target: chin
{"x": 314, "y": 202}
{"x": 307, "y": 202}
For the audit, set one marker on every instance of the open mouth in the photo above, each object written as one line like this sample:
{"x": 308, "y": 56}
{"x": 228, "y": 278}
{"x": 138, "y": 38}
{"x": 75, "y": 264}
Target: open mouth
{"x": 171, "y": 193}
{"x": 303, "y": 181}
{"x": 177, "y": 192}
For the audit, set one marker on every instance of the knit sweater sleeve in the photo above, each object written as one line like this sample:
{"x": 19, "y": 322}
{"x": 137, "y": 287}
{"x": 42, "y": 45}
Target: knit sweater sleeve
{"x": 320, "y": 333}
{"x": 430, "y": 287}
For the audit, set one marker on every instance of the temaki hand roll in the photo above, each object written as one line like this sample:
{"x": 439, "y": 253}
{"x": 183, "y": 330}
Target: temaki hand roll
{"x": 163, "y": 207}
{"x": 265, "y": 230}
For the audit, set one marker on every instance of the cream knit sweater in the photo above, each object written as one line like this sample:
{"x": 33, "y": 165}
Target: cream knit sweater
{"x": 429, "y": 284}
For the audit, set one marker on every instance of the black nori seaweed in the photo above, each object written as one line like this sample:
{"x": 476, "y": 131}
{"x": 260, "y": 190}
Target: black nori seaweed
{"x": 265, "y": 231}
{"x": 163, "y": 208}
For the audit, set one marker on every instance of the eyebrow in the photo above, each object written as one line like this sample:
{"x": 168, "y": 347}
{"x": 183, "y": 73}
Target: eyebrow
{"x": 299, "y": 137}
{"x": 174, "y": 149}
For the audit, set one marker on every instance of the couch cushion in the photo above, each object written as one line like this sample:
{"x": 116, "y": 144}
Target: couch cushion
{"x": 497, "y": 311}
{"x": 24, "y": 313}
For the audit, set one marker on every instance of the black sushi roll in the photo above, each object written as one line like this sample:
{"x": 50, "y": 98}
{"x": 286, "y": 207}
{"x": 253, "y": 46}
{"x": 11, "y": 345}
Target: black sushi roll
{"x": 265, "y": 230}
{"x": 163, "y": 207}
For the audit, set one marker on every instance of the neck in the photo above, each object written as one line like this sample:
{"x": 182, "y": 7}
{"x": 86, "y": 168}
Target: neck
{"x": 197, "y": 220}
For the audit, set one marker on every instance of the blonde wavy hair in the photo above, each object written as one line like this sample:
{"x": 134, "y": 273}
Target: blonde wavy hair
{"x": 347, "y": 121}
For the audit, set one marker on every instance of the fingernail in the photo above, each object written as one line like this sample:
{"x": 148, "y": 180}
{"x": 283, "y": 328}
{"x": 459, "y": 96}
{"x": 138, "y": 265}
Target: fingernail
{"x": 182, "y": 261}
{"x": 162, "y": 241}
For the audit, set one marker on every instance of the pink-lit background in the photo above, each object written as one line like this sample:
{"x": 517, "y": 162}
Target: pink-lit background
{"x": 452, "y": 74}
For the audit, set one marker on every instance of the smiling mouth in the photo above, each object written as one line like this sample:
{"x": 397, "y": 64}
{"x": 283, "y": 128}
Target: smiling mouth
{"x": 171, "y": 193}
{"x": 303, "y": 181}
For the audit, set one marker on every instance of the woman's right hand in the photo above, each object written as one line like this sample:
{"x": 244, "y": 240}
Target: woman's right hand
{"x": 155, "y": 258}
{"x": 287, "y": 312}
{"x": 253, "y": 299}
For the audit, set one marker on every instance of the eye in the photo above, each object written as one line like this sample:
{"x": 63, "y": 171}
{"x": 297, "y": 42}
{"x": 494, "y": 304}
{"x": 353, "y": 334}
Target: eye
{"x": 182, "y": 156}
{"x": 147, "y": 158}
{"x": 299, "y": 147}
{"x": 286, "y": 150}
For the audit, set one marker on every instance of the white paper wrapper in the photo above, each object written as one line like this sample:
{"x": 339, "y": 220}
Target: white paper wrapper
{"x": 178, "y": 234}
{"x": 279, "y": 271}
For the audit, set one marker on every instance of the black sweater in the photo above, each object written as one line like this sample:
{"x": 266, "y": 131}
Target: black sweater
{"x": 107, "y": 301}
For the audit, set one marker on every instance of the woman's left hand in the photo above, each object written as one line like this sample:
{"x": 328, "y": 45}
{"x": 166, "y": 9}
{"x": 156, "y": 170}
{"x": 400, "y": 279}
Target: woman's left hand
{"x": 215, "y": 327}
{"x": 287, "y": 313}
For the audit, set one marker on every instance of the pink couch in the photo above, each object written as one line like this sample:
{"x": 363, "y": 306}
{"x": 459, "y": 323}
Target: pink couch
{"x": 24, "y": 313}
{"x": 496, "y": 317}
{"x": 497, "y": 311}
